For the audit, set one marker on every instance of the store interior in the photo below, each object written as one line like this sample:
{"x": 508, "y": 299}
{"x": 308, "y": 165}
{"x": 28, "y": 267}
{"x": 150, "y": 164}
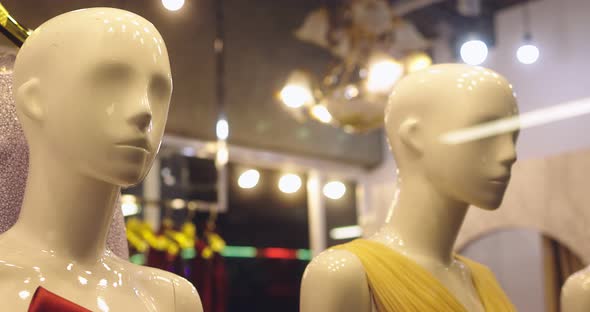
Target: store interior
{"x": 274, "y": 148}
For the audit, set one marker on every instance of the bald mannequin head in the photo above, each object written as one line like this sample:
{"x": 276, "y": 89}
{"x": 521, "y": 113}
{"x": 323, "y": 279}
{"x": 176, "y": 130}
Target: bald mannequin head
{"x": 426, "y": 105}
{"x": 92, "y": 90}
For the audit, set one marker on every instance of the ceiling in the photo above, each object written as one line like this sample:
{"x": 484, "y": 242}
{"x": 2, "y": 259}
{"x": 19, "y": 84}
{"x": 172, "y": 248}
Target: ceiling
{"x": 260, "y": 51}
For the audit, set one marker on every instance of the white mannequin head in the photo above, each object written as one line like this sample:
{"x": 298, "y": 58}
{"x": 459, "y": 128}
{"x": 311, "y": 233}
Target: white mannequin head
{"x": 92, "y": 89}
{"x": 427, "y": 104}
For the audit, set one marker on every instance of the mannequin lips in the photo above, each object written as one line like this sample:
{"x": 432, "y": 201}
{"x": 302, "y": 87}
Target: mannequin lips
{"x": 501, "y": 180}
{"x": 137, "y": 143}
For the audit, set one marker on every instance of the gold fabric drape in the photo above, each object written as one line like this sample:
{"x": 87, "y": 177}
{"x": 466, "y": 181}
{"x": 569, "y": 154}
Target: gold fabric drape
{"x": 399, "y": 284}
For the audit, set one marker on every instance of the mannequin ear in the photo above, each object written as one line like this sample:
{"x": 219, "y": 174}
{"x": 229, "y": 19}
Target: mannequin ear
{"x": 409, "y": 132}
{"x": 29, "y": 101}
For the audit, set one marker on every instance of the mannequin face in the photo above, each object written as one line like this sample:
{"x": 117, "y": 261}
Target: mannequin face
{"x": 104, "y": 112}
{"x": 476, "y": 172}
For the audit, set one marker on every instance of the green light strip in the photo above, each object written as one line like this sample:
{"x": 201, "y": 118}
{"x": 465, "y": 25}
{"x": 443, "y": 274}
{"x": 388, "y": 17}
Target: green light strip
{"x": 304, "y": 254}
{"x": 228, "y": 251}
{"x": 251, "y": 252}
{"x": 188, "y": 253}
{"x": 239, "y": 252}
{"x": 138, "y": 259}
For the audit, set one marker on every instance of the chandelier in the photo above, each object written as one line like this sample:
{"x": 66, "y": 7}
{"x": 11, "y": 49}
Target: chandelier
{"x": 374, "y": 47}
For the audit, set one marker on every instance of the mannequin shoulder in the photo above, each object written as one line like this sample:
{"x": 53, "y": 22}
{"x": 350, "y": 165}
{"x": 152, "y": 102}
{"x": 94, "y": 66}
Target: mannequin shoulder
{"x": 335, "y": 280}
{"x": 186, "y": 297}
{"x": 575, "y": 294}
{"x": 183, "y": 293}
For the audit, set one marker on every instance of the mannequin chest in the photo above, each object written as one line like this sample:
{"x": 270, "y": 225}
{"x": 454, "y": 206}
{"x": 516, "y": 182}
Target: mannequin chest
{"x": 118, "y": 288}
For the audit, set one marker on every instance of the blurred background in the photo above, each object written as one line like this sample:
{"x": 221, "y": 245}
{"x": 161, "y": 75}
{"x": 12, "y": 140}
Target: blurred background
{"x": 274, "y": 149}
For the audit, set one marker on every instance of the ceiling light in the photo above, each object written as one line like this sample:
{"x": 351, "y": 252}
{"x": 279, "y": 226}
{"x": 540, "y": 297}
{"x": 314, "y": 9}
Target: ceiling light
{"x": 177, "y": 203}
{"x": 249, "y": 179}
{"x": 346, "y": 232}
{"x": 383, "y": 74}
{"x": 351, "y": 91}
{"x": 527, "y": 54}
{"x": 334, "y": 189}
{"x": 289, "y": 183}
{"x": 474, "y": 52}
{"x": 295, "y": 96}
{"x": 320, "y": 113}
{"x": 173, "y": 5}
{"x": 222, "y": 129}
{"x": 222, "y": 154}
{"x": 418, "y": 61}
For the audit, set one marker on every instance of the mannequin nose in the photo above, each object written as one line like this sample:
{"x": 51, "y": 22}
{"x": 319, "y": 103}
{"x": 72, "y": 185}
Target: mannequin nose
{"x": 142, "y": 118}
{"x": 142, "y": 121}
{"x": 508, "y": 155}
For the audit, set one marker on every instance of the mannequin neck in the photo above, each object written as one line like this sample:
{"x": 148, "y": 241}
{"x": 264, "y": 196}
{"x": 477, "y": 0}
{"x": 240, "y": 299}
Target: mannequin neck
{"x": 65, "y": 212}
{"x": 424, "y": 220}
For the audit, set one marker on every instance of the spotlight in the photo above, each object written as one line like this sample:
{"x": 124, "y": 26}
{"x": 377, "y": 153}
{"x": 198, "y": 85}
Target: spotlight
{"x": 222, "y": 154}
{"x": 351, "y": 91}
{"x": 417, "y": 61}
{"x": 334, "y": 189}
{"x": 222, "y": 129}
{"x": 295, "y": 96}
{"x": 173, "y": 5}
{"x": 383, "y": 74}
{"x": 289, "y": 183}
{"x": 177, "y": 203}
{"x": 249, "y": 179}
{"x": 321, "y": 113}
{"x": 527, "y": 54}
{"x": 474, "y": 52}
{"x": 346, "y": 232}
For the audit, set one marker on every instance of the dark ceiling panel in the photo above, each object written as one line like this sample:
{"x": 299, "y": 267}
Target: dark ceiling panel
{"x": 260, "y": 49}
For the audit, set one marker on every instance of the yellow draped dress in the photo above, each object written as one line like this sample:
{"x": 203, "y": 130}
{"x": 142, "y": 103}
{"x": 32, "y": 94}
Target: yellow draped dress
{"x": 398, "y": 284}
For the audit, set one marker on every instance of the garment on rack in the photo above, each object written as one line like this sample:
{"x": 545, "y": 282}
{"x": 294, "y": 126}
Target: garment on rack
{"x": 209, "y": 276}
{"x": 162, "y": 260}
{"x": 164, "y": 253}
{"x": 400, "y": 284}
{"x": 46, "y": 301}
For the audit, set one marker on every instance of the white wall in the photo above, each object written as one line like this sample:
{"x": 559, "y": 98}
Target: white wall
{"x": 515, "y": 257}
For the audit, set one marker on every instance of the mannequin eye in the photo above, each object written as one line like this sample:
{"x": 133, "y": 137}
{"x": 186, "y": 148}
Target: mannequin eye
{"x": 160, "y": 87}
{"x": 116, "y": 74}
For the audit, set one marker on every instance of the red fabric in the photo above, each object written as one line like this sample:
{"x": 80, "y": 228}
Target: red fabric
{"x": 163, "y": 260}
{"x": 210, "y": 278}
{"x": 46, "y": 301}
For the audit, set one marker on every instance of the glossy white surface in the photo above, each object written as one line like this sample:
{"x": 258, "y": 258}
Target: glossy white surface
{"x": 437, "y": 182}
{"x": 575, "y": 294}
{"x": 92, "y": 89}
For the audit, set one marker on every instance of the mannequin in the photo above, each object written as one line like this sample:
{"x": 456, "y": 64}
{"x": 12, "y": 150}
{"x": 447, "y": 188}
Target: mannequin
{"x": 437, "y": 182}
{"x": 575, "y": 293}
{"x": 14, "y": 156}
{"x": 92, "y": 90}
